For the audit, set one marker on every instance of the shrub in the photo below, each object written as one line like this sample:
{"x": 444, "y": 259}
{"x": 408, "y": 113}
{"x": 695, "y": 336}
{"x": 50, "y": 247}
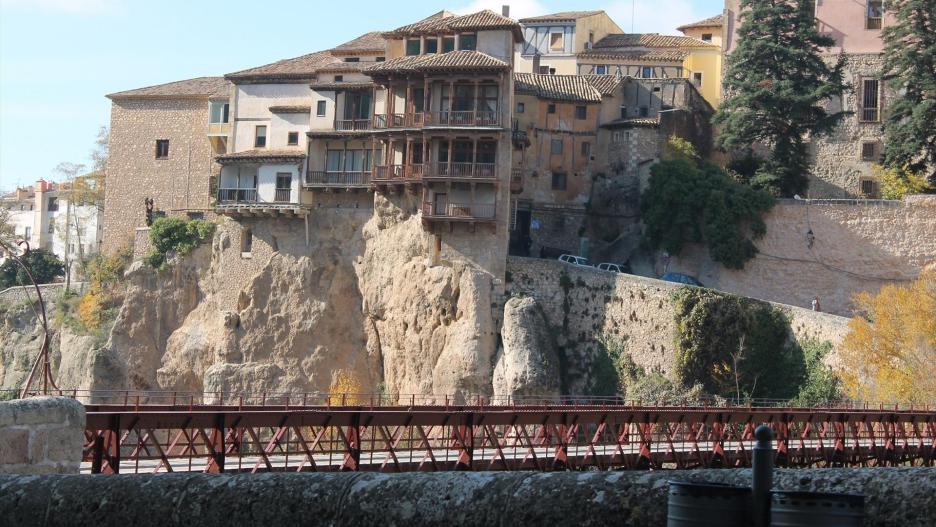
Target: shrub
{"x": 44, "y": 266}
{"x": 820, "y": 383}
{"x": 688, "y": 202}
{"x": 897, "y": 182}
{"x": 176, "y": 235}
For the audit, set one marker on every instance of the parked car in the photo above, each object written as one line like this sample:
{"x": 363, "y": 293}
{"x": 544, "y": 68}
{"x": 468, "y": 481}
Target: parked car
{"x": 571, "y": 259}
{"x": 680, "y": 278}
{"x": 614, "y": 268}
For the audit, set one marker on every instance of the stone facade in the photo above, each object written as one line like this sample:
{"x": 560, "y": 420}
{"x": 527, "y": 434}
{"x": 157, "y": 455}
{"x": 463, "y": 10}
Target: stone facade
{"x": 838, "y": 167}
{"x": 42, "y": 435}
{"x": 857, "y": 246}
{"x": 177, "y": 184}
{"x": 583, "y": 306}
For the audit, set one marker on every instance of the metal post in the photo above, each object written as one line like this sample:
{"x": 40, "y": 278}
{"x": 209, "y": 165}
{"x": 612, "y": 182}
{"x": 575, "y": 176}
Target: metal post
{"x": 762, "y": 462}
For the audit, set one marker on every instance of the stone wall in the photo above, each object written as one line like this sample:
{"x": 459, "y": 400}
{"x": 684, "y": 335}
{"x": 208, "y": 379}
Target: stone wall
{"x": 837, "y": 167}
{"x": 19, "y": 294}
{"x": 141, "y": 243}
{"x": 582, "y": 305}
{"x": 179, "y": 182}
{"x": 42, "y": 435}
{"x": 893, "y": 496}
{"x": 858, "y": 246}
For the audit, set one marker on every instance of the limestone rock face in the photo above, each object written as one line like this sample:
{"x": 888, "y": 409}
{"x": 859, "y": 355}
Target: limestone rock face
{"x": 528, "y": 363}
{"x": 20, "y": 338}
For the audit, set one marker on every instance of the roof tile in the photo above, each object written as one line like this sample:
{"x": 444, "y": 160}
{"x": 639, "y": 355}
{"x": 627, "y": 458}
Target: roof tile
{"x": 453, "y": 60}
{"x": 712, "y": 21}
{"x": 189, "y": 88}
{"x": 560, "y": 17}
{"x": 574, "y": 88}
{"x": 373, "y": 41}
{"x": 261, "y": 155}
{"x": 650, "y": 40}
{"x": 445, "y": 22}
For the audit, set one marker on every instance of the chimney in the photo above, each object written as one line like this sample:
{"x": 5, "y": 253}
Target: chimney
{"x": 536, "y": 63}
{"x": 505, "y": 10}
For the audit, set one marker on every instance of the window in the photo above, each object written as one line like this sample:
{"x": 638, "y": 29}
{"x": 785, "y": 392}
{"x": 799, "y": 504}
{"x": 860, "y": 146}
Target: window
{"x": 646, "y": 72}
{"x": 292, "y": 138}
{"x": 556, "y": 41}
{"x": 448, "y": 44}
{"x": 869, "y": 188}
{"x": 520, "y": 107}
{"x": 432, "y": 45}
{"x": 555, "y": 146}
{"x": 601, "y": 70}
{"x": 52, "y": 205}
{"x": 581, "y": 112}
{"x": 283, "y": 187}
{"x": 586, "y": 149}
{"x": 544, "y": 70}
{"x": 339, "y": 78}
{"x": 870, "y": 150}
{"x": 870, "y": 100}
{"x": 623, "y": 112}
{"x": 320, "y": 109}
{"x": 246, "y": 242}
{"x": 219, "y": 112}
{"x": 706, "y": 37}
{"x": 162, "y": 148}
{"x": 352, "y": 59}
{"x": 468, "y": 42}
{"x": 413, "y": 46}
{"x": 380, "y": 59}
{"x": 697, "y": 79}
{"x": 333, "y": 161}
{"x": 260, "y": 136}
{"x": 875, "y": 16}
{"x": 558, "y": 181}
{"x": 551, "y": 108}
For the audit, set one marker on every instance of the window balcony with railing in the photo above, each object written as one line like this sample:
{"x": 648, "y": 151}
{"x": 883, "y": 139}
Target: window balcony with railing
{"x": 248, "y": 202}
{"x": 353, "y": 125}
{"x": 337, "y": 179}
{"x": 446, "y": 118}
{"x": 446, "y": 211}
{"x": 237, "y": 195}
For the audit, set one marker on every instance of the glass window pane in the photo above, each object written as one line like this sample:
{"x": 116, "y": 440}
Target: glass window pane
{"x": 432, "y": 45}
{"x": 333, "y": 161}
{"x": 467, "y": 42}
{"x": 448, "y": 44}
{"x": 412, "y": 46}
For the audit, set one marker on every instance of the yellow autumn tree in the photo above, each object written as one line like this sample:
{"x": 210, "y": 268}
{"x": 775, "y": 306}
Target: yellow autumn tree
{"x": 346, "y": 388}
{"x": 889, "y": 353}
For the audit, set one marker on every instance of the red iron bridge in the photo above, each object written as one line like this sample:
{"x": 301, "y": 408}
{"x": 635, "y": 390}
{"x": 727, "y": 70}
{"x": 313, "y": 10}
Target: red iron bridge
{"x": 146, "y": 432}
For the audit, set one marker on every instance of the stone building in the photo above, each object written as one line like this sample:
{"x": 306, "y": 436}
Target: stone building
{"x": 842, "y": 161}
{"x": 163, "y": 140}
{"x": 551, "y": 43}
{"x": 583, "y": 147}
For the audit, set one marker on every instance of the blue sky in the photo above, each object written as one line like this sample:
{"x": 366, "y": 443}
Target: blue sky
{"x": 58, "y": 58}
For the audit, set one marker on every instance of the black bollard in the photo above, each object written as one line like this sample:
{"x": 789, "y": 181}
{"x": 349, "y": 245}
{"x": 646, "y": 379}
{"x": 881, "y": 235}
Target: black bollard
{"x": 762, "y": 463}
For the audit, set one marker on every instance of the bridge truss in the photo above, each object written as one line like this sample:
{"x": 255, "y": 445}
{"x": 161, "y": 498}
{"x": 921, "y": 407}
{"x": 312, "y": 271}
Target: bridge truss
{"x": 134, "y": 438}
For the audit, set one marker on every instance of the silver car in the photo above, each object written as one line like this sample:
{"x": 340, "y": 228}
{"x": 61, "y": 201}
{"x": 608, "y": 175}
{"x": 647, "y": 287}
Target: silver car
{"x": 610, "y": 267}
{"x": 571, "y": 259}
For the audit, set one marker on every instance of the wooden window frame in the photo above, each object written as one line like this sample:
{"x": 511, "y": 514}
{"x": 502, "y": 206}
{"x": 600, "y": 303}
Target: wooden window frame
{"x": 874, "y": 23}
{"x": 257, "y": 137}
{"x": 581, "y": 112}
{"x": 162, "y": 153}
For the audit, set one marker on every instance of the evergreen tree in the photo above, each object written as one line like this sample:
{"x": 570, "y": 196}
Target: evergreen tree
{"x": 777, "y": 82}
{"x": 910, "y": 68}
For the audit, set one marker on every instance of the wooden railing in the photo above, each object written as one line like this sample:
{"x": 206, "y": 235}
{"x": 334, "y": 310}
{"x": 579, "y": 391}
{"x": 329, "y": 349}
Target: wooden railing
{"x": 351, "y": 125}
{"x": 321, "y": 178}
{"x": 464, "y": 170}
{"x": 439, "y": 118}
{"x": 399, "y": 172}
{"x": 399, "y": 120}
{"x": 483, "y": 211}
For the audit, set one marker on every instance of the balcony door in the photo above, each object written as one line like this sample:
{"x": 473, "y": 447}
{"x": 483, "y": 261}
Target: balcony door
{"x": 357, "y": 105}
{"x": 441, "y": 203}
{"x": 283, "y": 187}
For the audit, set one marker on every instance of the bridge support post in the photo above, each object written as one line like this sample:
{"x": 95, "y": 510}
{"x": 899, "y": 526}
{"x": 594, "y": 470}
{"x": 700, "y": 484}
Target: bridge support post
{"x": 216, "y": 464}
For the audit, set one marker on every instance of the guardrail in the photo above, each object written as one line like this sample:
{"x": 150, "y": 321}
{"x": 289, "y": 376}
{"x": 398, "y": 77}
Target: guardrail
{"x": 321, "y": 178}
{"x": 459, "y": 210}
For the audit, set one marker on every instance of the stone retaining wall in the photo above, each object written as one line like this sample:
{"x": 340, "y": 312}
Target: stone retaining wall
{"x": 894, "y": 496}
{"x": 634, "y": 311}
{"x": 41, "y": 435}
{"x": 19, "y": 294}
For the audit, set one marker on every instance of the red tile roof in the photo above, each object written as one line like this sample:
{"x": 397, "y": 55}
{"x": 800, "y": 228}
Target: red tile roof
{"x": 649, "y": 55}
{"x": 200, "y": 87}
{"x": 574, "y": 88}
{"x": 261, "y": 155}
{"x": 445, "y": 22}
{"x": 560, "y": 17}
{"x": 650, "y": 40}
{"x": 453, "y": 60}
{"x": 713, "y": 21}
{"x": 368, "y": 42}
{"x": 298, "y": 68}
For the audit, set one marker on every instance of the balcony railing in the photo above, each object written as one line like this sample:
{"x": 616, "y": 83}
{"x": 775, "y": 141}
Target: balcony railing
{"x": 219, "y": 128}
{"x": 283, "y": 195}
{"x": 321, "y": 178}
{"x": 352, "y": 125}
{"x": 441, "y": 118}
{"x": 237, "y": 195}
{"x": 463, "y": 170}
{"x": 465, "y": 211}
{"x": 399, "y": 173}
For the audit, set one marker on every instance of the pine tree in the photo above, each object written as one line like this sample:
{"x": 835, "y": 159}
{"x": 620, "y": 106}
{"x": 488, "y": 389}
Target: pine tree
{"x": 910, "y": 68}
{"x": 777, "y": 82}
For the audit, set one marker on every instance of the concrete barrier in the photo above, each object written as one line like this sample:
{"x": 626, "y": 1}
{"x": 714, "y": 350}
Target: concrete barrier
{"x": 41, "y": 435}
{"x": 895, "y": 496}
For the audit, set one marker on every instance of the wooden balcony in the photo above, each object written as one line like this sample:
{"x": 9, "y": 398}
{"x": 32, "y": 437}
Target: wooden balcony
{"x": 346, "y": 180}
{"x": 486, "y": 172}
{"x": 237, "y": 202}
{"x": 353, "y": 125}
{"x": 458, "y": 119}
{"x": 464, "y": 212}
{"x": 399, "y": 173}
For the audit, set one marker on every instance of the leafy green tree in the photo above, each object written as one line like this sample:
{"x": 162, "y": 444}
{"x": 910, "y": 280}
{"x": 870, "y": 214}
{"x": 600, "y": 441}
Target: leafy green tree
{"x": 910, "y": 67}
{"x": 44, "y": 266}
{"x": 776, "y": 82}
{"x": 688, "y": 202}
{"x": 176, "y": 235}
